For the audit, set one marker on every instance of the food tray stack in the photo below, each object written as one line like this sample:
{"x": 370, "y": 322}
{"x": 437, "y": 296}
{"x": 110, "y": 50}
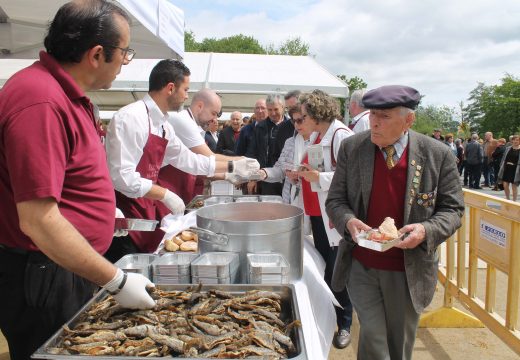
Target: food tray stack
{"x": 173, "y": 268}
{"x": 218, "y": 200}
{"x": 267, "y": 269}
{"x": 137, "y": 263}
{"x": 215, "y": 268}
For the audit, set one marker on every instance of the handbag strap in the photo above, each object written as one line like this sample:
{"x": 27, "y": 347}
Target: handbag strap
{"x": 332, "y": 157}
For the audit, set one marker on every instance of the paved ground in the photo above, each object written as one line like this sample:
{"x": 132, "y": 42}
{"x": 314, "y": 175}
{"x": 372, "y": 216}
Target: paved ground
{"x": 437, "y": 344}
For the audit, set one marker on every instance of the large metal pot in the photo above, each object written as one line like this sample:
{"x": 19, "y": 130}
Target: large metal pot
{"x": 254, "y": 228}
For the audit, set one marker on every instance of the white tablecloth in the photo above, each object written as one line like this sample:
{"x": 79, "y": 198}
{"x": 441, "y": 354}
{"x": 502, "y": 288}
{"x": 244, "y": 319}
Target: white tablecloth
{"x": 315, "y": 303}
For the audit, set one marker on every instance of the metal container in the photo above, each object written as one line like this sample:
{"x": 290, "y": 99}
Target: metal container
{"x": 241, "y": 199}
{"x": 271, "y": 198}
{"x": 253, "y": 228}
{"x": 169, "y": 267}
{"x": 213, "y": 200}
{"x": 136, "y": 263}
{"x": 135, "y": 224}
{"x": 215, "y": 264}
{"x": 289, "y": 313}
{"x": 267, "y": 269}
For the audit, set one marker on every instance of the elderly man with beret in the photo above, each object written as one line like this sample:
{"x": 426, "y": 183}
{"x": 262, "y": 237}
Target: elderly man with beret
{"x": 392, "y": 171}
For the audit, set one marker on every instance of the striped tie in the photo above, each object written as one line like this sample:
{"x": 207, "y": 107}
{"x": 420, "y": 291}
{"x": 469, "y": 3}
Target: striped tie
{"x": 390, "y": 151}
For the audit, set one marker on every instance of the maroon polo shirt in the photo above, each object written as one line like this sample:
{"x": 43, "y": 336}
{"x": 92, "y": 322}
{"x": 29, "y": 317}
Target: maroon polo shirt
{"x": 49, "y": 147}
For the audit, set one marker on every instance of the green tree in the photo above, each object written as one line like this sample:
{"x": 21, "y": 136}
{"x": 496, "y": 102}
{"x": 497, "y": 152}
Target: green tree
{"x": 431, "y": 117}
{"x": 190, "y": 44}
{"x": 295, "y": 47}
{"x": 355, "y": 83}
{"x": 496, "y": 108}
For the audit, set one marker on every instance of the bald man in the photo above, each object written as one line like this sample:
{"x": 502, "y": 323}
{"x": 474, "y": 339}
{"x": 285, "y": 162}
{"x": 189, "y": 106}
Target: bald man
{"x": 190, "y": 127}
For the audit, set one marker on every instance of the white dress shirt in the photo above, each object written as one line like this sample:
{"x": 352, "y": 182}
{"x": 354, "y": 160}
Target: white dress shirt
{"x": 187, "y": 129}
{"x": 361, "y": 122}
{"x": 126, "y": 137}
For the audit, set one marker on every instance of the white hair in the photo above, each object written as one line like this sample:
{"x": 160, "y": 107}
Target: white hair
{"x": 357, "y": 96}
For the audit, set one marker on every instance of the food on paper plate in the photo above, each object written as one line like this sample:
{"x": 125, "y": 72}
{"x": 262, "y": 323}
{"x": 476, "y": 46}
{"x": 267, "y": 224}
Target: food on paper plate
{"x": 387, "y": 231}
{"x": 183, "y": 241}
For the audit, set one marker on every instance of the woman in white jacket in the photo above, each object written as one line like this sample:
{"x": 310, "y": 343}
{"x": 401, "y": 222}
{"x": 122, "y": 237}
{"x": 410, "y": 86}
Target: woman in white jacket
{"x": 322, "y": 110}
{"x": 289, "y": 161}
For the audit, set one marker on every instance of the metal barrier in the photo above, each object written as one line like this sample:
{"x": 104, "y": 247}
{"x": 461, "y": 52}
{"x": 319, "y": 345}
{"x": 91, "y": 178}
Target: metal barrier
{"x": 491, "y": 227}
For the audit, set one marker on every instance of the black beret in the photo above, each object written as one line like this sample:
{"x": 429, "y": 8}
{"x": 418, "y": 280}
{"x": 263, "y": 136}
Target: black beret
{"x": 390, "y": 96}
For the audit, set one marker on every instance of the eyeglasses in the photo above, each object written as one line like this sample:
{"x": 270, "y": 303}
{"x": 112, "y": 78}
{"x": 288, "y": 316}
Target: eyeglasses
{"x": 128, "y": 53}
{"x": 298, "y": 121}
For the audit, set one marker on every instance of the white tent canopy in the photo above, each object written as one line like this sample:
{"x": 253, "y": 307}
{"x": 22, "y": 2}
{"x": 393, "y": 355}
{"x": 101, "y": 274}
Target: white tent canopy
{"x": 240, "y": 79}
{"x": 157, "y": 27}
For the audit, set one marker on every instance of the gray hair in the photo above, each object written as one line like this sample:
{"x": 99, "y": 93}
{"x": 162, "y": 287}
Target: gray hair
{"x": 357, "y": 96}
{"x": 404, "y": 111}
{"x": 273, "y": 99}
{"x": 292, "y": 93}
{"x": 474, "y": 136}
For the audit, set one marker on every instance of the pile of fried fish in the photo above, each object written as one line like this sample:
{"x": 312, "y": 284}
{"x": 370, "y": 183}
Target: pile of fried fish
{"x": 189, "y": 323}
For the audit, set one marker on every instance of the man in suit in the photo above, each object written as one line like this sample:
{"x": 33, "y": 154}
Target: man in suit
{"x": 395, "y": 172}
{"x": 211, "y": 136}
{"x": 230, "y": 134}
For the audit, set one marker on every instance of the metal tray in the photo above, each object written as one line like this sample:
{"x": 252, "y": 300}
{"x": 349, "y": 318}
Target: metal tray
{"x": 215, "y": 264}
{"x": 199, "y": 201}
{"x": 137, "y": 263}
{"x": 135, "y": 224}
{"x": 289, "y": 312}
{"x": 267, "y": 264}
{"x": 168, "y": 280}
{"x": 173, "y": 264}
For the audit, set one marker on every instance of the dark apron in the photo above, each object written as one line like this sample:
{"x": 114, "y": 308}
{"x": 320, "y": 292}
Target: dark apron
{"x": 143, "y": 208}
{"x": 183, "y": 184}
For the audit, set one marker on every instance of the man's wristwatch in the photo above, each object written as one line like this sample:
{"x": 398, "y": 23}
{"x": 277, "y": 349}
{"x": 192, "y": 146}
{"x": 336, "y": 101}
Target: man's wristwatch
{"x": 230, "y": 166}
{"x": 121, "y": 285}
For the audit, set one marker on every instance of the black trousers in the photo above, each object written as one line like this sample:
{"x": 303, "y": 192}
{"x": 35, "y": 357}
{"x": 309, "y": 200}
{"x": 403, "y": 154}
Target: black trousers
{"x": 321, "y": 242}
{"x": 475, "y": 172}
{"x": 37, "y": 298}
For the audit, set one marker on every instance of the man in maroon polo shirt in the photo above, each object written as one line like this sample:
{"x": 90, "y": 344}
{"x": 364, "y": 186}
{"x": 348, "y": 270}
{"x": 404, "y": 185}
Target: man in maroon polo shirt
{"x": 58, "y": 201}
{"x": 392, "y": 171}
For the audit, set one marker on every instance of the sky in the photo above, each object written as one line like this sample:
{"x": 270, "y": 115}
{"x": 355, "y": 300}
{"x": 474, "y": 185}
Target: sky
{"x": 443, "y": 48}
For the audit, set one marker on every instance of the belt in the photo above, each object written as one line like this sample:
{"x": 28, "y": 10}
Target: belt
{"x": 16, "y": 251}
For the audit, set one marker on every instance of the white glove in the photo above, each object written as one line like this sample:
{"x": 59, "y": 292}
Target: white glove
{"x": 244, "y": 167}
{"x": 131, "y": 293}
{"x": 234, "y": 179}
{"x": 173, "y": 202}
{"x": 118, "y": 233}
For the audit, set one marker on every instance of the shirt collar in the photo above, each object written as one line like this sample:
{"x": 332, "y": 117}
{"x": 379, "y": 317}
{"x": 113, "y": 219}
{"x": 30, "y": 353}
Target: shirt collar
{"x": 69, "y": 85}
{"x": 157, "y": 116}
{"x": 400, "y": 145}
{"x": 360, "y": 115}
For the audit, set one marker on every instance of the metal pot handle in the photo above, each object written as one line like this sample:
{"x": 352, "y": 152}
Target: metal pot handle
{"x": 210, "y": 236}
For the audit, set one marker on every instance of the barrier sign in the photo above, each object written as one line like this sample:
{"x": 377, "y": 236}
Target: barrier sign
{"x": 493, "y": 233}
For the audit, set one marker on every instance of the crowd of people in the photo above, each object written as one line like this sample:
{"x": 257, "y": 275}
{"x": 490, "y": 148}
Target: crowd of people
{"x": 61, "y": 187}
{"x": 487, "y": 162}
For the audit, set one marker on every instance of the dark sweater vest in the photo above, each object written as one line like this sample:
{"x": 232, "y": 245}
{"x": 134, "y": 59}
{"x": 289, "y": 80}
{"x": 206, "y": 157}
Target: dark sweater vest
{"x": 386, "y": 199}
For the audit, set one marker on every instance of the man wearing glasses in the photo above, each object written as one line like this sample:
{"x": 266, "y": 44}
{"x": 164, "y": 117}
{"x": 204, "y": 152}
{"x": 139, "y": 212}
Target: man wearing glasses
{"x": 58, "y": 201}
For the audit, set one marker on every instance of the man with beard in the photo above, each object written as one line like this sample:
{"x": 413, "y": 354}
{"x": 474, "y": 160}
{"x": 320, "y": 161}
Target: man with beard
{"x": 140, "y": 141}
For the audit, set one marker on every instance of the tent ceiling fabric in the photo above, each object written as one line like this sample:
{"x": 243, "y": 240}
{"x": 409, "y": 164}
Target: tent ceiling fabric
{"x": 157, "y": 27}
{"x": 239, "y": 78}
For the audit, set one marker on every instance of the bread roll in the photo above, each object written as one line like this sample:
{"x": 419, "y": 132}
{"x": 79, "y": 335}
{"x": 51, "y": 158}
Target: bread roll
{"x": 186, "y": 235}
{"x": 189, "y": 246}
{"x": 169, "y": 245}
{"x": 388, "y": 229}
{"x": 177, "y": 240}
